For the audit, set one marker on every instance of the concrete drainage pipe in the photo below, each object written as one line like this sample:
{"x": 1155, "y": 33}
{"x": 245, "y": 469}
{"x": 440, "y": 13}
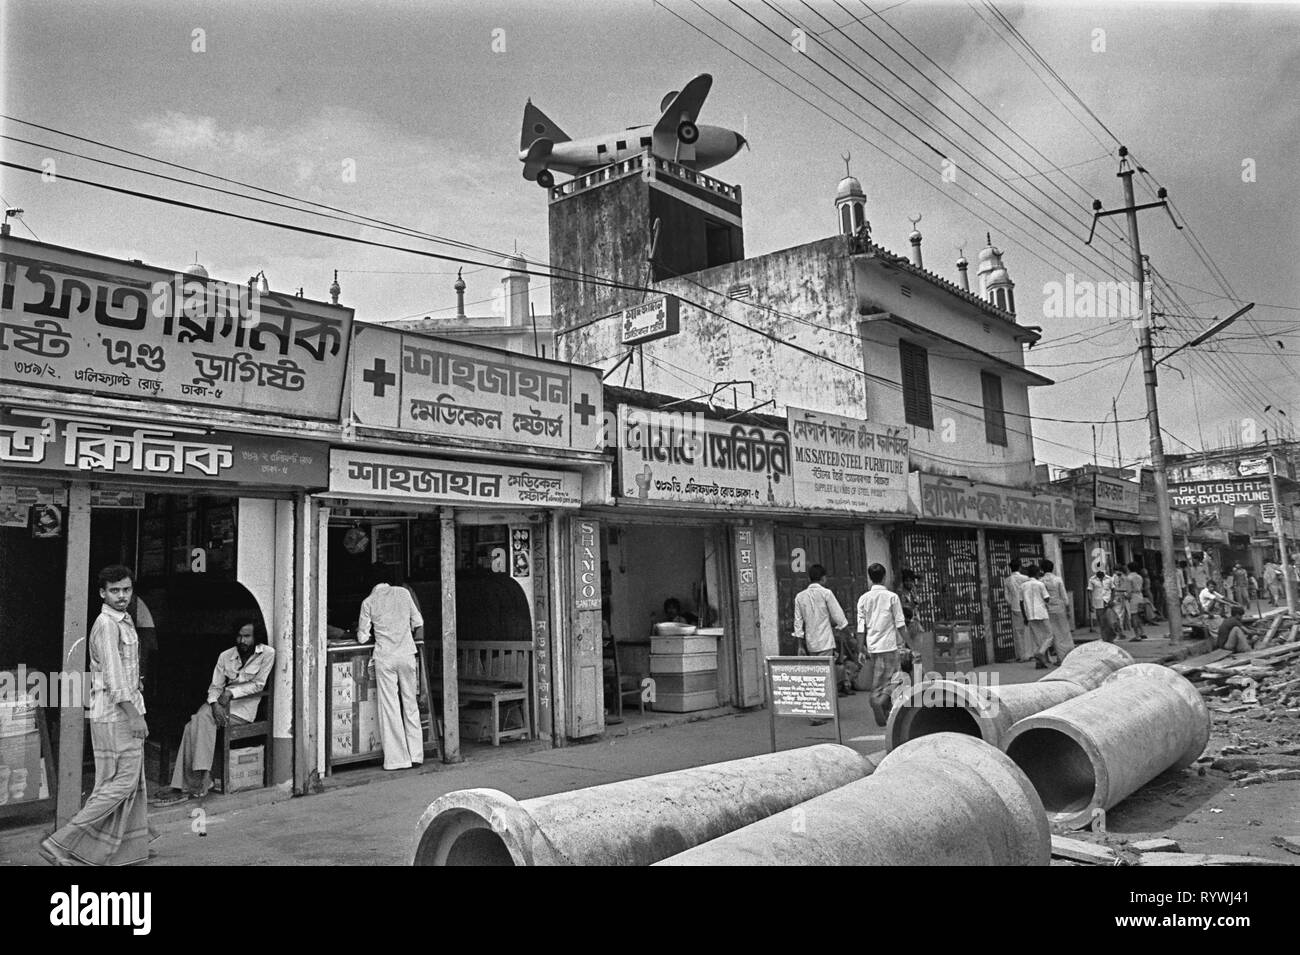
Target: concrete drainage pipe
{"x": 944, "y": 799}
{"x": 1096, "y": 750}
{"x": 989, "y": 712}
{"x": 635, "y": 822}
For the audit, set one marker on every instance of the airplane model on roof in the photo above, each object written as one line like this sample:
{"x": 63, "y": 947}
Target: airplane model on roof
{"x": 544, "y": 148}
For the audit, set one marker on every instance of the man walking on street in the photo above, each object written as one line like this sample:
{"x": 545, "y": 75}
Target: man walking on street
{"x": 1058, "y": 607}
{"x": 112, "y": 828}
{"x": 880, "y": 621}
{"x": 817, "y": 615}
{"x": 1034, "y": 598}
{"x": 1099, "y": 596}
{"x": 1240, "y": 585}
{"x": 1012, "y": 584}
{"x": 1273, "y": 582}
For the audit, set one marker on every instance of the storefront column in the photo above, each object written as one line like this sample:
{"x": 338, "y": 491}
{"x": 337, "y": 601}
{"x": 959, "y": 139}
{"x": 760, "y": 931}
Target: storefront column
{"x": 556, "y": 531}
{"x": 986, "y": 593}
{"x": 76, "y": 597}
{"x": 450, "y": 675}
{"x": 287, "y": 573}
{"x": 309, "y": 617}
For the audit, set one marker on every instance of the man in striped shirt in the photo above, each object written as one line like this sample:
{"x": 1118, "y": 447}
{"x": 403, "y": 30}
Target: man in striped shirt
{"x": 112, "y": 828}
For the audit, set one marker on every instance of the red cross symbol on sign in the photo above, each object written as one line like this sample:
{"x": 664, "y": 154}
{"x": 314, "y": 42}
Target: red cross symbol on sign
{"x": 379, "y": 376}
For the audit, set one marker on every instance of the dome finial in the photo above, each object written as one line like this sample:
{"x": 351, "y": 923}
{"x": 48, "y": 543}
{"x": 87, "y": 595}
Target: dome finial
{"x": 846, "y": 157}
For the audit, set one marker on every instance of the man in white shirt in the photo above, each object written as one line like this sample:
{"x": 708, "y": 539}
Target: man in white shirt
{"x": 880, "y": 620}
{"x": 817, "y": 615}
{"x": 391, "y": 614}
{"x": 1034, "y": 599}
{"x": 1099, "y": 595}
{"x": 1012, "y": 584}
{"x": 1058, "y": 607}
{"x": 241, "y": 672}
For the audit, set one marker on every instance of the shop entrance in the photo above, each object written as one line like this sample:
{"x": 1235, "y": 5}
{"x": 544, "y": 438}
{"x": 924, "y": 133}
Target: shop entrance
{"x": 1002, "y": 548}
{"x": 944, "y": 562}
{"x": 493, "y": 585}
{"x": 181, "y": 550}
{"x": 844, "y": 555}
{"x": 665, "y": 574}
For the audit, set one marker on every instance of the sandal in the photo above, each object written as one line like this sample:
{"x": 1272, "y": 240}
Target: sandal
{"x": 170, "y": 799}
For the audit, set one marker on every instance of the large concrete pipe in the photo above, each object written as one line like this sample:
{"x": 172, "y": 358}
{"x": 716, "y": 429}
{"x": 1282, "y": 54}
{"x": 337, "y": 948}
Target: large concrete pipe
{"x": 635, "y": 822}
{"x": 1095, "y": 750}
{"x": 944, "y": 799}
{"x": 989, "y": 712}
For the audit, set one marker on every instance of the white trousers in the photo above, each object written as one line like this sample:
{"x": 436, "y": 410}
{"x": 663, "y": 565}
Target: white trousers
{"x": 399, "y": 713}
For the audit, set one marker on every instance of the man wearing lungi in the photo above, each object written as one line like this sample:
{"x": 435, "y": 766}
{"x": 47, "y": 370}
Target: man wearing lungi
{"x": 237, "y": 679}
{"x": 112, "y": 828}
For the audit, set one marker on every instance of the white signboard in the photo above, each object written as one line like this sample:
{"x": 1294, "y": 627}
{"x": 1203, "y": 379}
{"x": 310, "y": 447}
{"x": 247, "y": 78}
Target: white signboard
{"x": 657, "y": 318}
{"x": 1114, "y": 494}
{"x": 846, "y": 464}
{"x": 357, "y": 473}
{"x": 411, "y": 382}
{"x": 681, "y": 456}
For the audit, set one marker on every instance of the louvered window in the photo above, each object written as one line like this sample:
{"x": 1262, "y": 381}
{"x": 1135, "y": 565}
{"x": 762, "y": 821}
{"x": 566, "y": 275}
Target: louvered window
{"x": 995, "y": 418}
{"x": 915, "y": 363}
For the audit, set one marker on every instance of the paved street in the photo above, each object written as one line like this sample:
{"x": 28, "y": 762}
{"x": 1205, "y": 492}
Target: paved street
{"x": 367, "y": 816}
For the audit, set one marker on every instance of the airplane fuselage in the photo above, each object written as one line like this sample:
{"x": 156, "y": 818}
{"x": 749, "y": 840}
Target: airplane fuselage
{"x": 578, "y": 156}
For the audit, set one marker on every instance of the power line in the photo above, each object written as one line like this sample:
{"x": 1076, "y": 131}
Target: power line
{"x": 442, "y": 256}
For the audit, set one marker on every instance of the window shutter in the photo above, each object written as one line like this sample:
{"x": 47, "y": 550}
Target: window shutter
{"x": 915, "y": 363}
{"x": 995, "y": 419}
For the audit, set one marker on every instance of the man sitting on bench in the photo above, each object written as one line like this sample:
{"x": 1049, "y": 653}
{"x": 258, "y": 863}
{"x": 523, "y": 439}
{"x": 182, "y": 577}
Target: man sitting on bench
{"x": 241, "y": 671}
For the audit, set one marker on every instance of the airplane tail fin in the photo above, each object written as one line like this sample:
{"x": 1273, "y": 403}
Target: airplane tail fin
{"x": 537, "y": 125}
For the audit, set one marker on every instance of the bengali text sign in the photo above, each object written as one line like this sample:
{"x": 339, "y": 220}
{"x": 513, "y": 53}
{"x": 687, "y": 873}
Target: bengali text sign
{"x": 846, "y": 464}
{"x": 357, "y": 473}
{"x": 79, "y": 322}
{"x": 412, "y": 382}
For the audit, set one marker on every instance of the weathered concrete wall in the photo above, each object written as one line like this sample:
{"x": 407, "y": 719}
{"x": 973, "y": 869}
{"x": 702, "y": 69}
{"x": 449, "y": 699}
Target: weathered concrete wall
{"x": 793, "y": 291}
{"x": 957, "y": 444}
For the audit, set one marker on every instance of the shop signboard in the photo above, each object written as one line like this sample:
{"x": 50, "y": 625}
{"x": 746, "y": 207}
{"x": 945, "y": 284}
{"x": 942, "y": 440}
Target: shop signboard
{"x": 418, "y": 383}
{"x": 1229, "y": 491}
{"x": 108, "y": 448}
{"x": 847, "y": 464}
{"x": 802, "y": 687}
{"x": 746, "y": 567}
{"x": 1127, "y": 529}
{"x": 966, "y": 502}
{"x": 77, "y": 322}
{"x": 586, "y": 569}
{"x": 364, "y": 474}
{"x": 657, "y": 318}
{"x": 683, "y": 457}
{"x": 1113, "y": 494}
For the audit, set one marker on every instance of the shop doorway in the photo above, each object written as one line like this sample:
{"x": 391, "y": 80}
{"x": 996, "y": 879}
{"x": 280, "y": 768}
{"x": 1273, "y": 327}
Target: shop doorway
{"x": 646, "y": 567}
{"x": 1002, "y": 548}
{"x": 946, "y": 581}
{"x": 494, "y": 593}
{"x": 844, "y": 555}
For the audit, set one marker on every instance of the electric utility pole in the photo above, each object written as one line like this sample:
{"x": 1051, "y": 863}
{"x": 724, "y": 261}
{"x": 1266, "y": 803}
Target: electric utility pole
{"x": 1163, "y": 511}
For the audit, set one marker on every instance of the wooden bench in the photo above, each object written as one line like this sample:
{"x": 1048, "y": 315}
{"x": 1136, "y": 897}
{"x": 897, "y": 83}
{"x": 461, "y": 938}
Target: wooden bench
{"x": 495, "y": 672}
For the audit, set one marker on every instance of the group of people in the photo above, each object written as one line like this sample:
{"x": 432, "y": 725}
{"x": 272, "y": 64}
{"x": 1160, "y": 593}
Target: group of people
{"x": 884, "y": 632}
{"x": 112, "y": 827}
{"x": 1121, "y": 602}
{"x": 1040, "y": 621}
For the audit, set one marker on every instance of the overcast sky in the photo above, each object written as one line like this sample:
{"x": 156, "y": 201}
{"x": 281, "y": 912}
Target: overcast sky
{"x": 424, "y": 101}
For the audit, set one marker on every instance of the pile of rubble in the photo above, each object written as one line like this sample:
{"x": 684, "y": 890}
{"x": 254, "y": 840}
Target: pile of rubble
{"x": 1153, "y": 852}
{"x": 1263, "y": 684}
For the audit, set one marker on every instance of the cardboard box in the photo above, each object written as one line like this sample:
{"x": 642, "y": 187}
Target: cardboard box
{"x": 247, "y": 769}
